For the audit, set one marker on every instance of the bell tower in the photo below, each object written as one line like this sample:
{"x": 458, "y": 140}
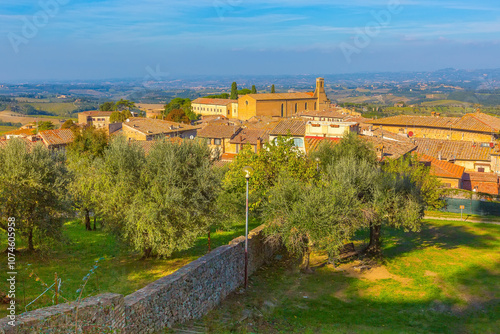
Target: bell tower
{"x": 320, "y": 94}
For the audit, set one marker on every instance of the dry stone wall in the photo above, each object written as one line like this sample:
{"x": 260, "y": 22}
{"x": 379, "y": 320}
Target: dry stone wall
{"x": 189, "y": 293}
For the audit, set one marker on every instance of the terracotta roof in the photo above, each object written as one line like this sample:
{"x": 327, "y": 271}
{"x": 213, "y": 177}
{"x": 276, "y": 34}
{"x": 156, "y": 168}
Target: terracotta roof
{"x": 478, "y": 122}
{"x": 415, "y": 121}
{"x": 250, "y": 136}
{"x": 485, "y": 182}
{"x": 281, "y": 96}
{"x": 453, "y": 149}
{"x": 387, "y": 135}
{"x": 330, "y": 113}
{"x": 390, "y": 148}
{"x": 219, "y": 102}
{"x": 218, "y": 131}
{"x": 294, "y": 127}
{"x": 442, "y": 168}
{"x": 20, "y": 132}
{"x": 312, "y": 143}
{"x": 57, "y": 137}
{"x": 29, "y": 143}
{"x": 97, "y": 113}
{"x": 149, "y": 126}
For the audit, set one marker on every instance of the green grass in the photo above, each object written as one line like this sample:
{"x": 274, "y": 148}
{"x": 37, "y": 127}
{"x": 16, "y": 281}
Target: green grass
{"x": 121, "y": 271}
{"x": 466, "y": 216}
{"x": 442, "y": 280}
{"x": 4, "y": 129}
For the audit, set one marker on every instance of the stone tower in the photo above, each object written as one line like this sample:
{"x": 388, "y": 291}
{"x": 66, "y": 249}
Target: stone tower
{"x": 320, "y": 94}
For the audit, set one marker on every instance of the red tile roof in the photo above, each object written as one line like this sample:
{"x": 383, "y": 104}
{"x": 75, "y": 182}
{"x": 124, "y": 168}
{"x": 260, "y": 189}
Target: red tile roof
{"x": 218, "y": 131}
{"x": 281, "y": 96}
{"x": 390, "y": 148}
{"x": 485, "y": 182}
{"x": 149, "y": 126}
{"x": 250, "y": 136}
{"x": 417, "y": 121}
{"x": 442, "y": 168}
{"x": 29, "y": 143}
{"x": 294, "y": 127}
{"x": 97, "y": 113}
{"x": 478, "y": 122}
{"x": 57, "y": 137}
{"x": 218, "y": 102}
{"x": 20, "y": 132}
{"x": 453, "y": 149}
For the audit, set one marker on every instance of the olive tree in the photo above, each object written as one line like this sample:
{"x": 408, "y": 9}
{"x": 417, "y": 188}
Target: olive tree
{"x": 32, "y": 190}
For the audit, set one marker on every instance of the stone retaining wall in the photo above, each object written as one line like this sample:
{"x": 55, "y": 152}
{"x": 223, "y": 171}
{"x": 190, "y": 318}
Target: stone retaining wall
{"x": 189, "y": 293}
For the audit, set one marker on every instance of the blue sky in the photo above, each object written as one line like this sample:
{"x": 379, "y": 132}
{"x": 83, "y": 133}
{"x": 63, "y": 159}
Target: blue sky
{"x": 98, "y": 39}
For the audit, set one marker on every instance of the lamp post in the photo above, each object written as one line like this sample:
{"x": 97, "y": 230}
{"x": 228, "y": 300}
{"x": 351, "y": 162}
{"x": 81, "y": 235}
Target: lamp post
{"x": 248, "y": 171}
{"x": 317, "y": 164}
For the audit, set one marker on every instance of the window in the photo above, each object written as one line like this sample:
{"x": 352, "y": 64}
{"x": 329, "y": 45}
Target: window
{"x": 296, "y": 107}
{"x": 282, "y": 110}
{"x": 209, "y": 141}
{"x": 217, "y": 141}
{"x": 480, "y": 169}
{"x": 298, "y": 142}
{"x": 315, "y": 108}
{"x": 306, "y": 106}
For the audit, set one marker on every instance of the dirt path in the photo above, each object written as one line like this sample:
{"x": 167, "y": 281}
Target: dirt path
{"x": 465, "y": 220}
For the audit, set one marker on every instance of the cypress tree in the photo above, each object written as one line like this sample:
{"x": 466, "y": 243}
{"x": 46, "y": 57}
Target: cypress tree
{"x": 254, "y": 90}
{"x": 234, "y": 91}
{"x": 273, "y": 90}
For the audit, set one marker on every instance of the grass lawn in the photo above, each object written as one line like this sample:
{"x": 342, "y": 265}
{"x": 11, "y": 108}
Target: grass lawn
{"x": 121, "y": 271}
{"x": 466, "y": 217}
{"x": 445, "y": 279}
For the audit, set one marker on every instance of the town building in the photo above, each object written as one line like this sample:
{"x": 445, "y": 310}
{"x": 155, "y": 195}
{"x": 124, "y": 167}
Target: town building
{"x": 284, "y": 105}
{"x": 57, "y": 139}
{"x": 473, "y": 156}
{"x": 256, "y": 138}
{"x": 481, "y": 182}
{"x": 219, "y": 137}
{"x": 477, "y": 127}
{"x": 98, "y": 119}
{"x": 150, "y": 129}
{"x": 219, "y": 107}
{"x": 450, "y": 175}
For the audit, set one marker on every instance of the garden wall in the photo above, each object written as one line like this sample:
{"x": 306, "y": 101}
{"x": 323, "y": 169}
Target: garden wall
{"x": 189, "y": 293}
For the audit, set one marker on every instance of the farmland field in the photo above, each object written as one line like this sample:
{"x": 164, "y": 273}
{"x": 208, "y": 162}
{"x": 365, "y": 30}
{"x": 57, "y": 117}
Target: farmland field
{"x": 4, "y": 129}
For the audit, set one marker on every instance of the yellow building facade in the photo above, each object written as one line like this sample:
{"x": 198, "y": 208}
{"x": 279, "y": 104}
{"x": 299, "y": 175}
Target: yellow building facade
{"x": 283, "y": 105}
{"x": 220, "y": 107}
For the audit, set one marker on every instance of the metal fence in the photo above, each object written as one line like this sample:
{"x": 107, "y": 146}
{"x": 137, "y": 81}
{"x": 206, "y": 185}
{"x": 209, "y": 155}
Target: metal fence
{"x": 475, "y": 207}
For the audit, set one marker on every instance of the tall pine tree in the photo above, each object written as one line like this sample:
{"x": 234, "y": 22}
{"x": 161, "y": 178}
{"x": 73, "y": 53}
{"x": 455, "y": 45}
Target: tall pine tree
{"x": 273, "y": 90}
{"x": 254, "y": 90}
{"x": 234, "y": 91}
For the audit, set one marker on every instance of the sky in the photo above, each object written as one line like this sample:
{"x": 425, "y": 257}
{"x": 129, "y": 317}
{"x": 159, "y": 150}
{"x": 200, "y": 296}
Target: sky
{"x": 104, "y": 39}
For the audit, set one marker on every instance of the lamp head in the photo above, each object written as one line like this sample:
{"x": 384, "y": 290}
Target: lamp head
{"x": 248, "y": 171}
{"x": 317, "y": 159}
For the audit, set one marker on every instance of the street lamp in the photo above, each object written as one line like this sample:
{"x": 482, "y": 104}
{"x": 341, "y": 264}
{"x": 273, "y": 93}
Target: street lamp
{"x": 248, "y": 171}
{"x": 317, "y": 164}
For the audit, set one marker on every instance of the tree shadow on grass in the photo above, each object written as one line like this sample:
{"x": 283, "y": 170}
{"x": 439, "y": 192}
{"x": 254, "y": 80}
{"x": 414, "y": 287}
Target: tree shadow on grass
{"x": 442, "y": 236}
{"x": 329, "y": 302}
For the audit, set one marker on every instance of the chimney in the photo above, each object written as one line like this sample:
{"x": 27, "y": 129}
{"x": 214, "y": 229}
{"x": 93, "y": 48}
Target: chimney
{"x": 433, "y": 113}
